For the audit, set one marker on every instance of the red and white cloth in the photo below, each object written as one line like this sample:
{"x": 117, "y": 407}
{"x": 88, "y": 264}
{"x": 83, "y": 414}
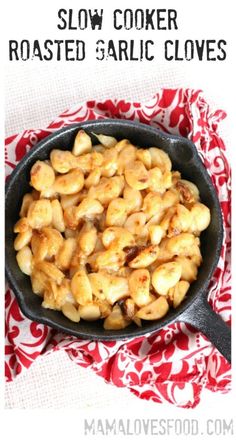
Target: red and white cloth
{"x": 171, "y": 365}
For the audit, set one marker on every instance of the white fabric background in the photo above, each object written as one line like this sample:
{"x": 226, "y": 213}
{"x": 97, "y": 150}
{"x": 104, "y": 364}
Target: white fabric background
{"x": 35, "y": 94}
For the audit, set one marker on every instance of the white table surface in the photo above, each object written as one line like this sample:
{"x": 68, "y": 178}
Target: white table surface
{"x": 37, "y": 93}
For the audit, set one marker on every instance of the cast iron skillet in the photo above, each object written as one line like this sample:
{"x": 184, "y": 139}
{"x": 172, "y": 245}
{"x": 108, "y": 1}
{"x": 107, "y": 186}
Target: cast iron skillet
{"x": 195, "y": 309}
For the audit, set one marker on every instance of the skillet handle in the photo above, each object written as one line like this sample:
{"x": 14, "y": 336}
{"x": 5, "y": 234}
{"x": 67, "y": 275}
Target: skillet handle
{"x": 202, "y": 317}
